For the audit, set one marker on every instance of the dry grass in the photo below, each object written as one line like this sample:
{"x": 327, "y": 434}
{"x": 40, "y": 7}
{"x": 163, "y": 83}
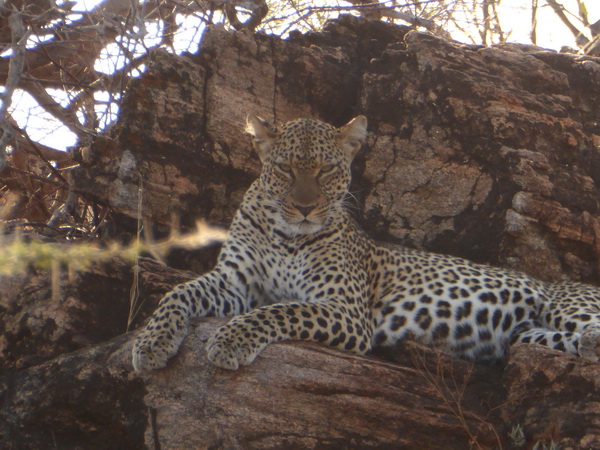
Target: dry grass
{"x": 451, "y": 387}
{"x": 21, "y": 248}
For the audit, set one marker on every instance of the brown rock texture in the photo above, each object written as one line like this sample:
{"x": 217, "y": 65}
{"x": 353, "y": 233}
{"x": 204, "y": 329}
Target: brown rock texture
{"x": 296, "y": 395}
{"x": 38, "y": 324}
{"x": 544, "y": 385}
{"x": 485, "y": 152}
{"x": 489, "y": 153}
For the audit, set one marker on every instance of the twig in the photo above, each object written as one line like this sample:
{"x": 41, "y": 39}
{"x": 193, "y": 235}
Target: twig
{"x": 61, "y": 158}
{"x": 38, "y": 152}
{"x": 533, "y": 32}
{"x": 101, "y": 220}
{"x": 32, "y": 175}
{"x": 67, "y": 118}
{"x": 42, "y": 225}
{"x": 19, "y": 38}
{"x": 559, "y": 11}
{"x": 134, "y": 292}
{"x": 452, "y": 393}
{"x": 61, "y": 212}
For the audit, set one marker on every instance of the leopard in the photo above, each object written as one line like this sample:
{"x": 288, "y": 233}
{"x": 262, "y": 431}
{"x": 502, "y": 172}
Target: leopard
{"x": 296, "y": 266}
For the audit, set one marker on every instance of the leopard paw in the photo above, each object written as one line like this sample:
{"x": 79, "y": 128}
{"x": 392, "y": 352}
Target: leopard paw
{"x": 229, "y": 352}
{"x": 152, "y": 349}
{"x": 589, "y": 343}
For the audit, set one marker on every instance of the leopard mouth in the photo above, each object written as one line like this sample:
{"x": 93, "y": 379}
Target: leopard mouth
{"x": 299, "y": 219}
{"x": 302, "y": 225}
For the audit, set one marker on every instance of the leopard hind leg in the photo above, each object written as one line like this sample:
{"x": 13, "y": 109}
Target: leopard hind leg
{"x": 589, "y": 343}
{"x": 574, "y": 307}
{"x": 585, "y": 344}
{"x": 531, "y": 332}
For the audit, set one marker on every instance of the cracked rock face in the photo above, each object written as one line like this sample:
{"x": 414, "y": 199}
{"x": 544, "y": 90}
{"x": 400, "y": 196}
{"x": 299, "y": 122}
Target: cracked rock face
{"x": 483, "y": 152}
{"x": 486, "y": 153}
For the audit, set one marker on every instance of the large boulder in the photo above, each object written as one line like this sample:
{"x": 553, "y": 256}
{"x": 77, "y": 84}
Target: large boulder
{"x": 489, "y": 153}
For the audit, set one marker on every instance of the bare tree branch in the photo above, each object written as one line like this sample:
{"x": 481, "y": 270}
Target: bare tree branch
{"x": 258, "y": 11}
{"x": 19, "y": 37}
{"x": 378, "y": 10}
{"x": 533, "y": 31}
{"x": 60, "y": 158}
{"x": 68, "y": 118}
{"x": 36, "y": 149}
{"x": 37, "y": 177}
{"x": 559, "y": 10}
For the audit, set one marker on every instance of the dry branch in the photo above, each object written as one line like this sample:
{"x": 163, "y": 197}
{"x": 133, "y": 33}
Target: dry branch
{"x": 15, "y": 67}
{"x": 559, "y": 11}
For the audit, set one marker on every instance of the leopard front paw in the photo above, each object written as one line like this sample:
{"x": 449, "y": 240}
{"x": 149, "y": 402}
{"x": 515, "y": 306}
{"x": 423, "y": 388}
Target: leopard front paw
{"x": 589, "y": 343}
{"x": 230, "y": 351}
{"x": 152, "y": 348}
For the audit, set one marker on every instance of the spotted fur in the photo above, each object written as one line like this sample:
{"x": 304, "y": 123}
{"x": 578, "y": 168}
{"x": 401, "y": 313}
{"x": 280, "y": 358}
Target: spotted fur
{"x": 296, "y": 266}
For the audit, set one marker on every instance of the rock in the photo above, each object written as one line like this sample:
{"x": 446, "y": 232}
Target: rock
{"x": 486, "y": 153}
{"x": 296, "y": 395}
{"x": 542, "y": 386}
{"x": 38, "y": 324}
{"x": 459, "y": 136}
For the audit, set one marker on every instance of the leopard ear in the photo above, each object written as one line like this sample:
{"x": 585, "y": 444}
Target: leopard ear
{"x": 263, "y": 135}
{"x": 353, "y": 135}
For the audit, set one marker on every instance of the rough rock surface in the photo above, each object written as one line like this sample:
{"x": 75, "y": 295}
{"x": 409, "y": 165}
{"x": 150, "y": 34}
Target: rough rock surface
{"x": 296, "y": 395}
{"x": 38, "y": 324}
{"x": 487, "y": 153}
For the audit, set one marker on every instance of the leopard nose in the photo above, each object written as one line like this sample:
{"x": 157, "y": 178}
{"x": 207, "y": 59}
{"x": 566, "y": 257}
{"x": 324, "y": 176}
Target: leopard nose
{"x": 304, "y": 210}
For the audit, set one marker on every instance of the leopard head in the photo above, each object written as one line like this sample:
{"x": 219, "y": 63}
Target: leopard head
{"x": 306, "y": 169}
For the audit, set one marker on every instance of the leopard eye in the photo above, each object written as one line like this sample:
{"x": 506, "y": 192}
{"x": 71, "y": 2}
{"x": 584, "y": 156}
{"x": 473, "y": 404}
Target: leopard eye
{"x": 327, "y": 169}
{"x": 285, "y": 168}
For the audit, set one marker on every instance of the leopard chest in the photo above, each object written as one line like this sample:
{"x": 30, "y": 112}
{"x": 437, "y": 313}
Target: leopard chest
{"x": 303, "y": 275}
